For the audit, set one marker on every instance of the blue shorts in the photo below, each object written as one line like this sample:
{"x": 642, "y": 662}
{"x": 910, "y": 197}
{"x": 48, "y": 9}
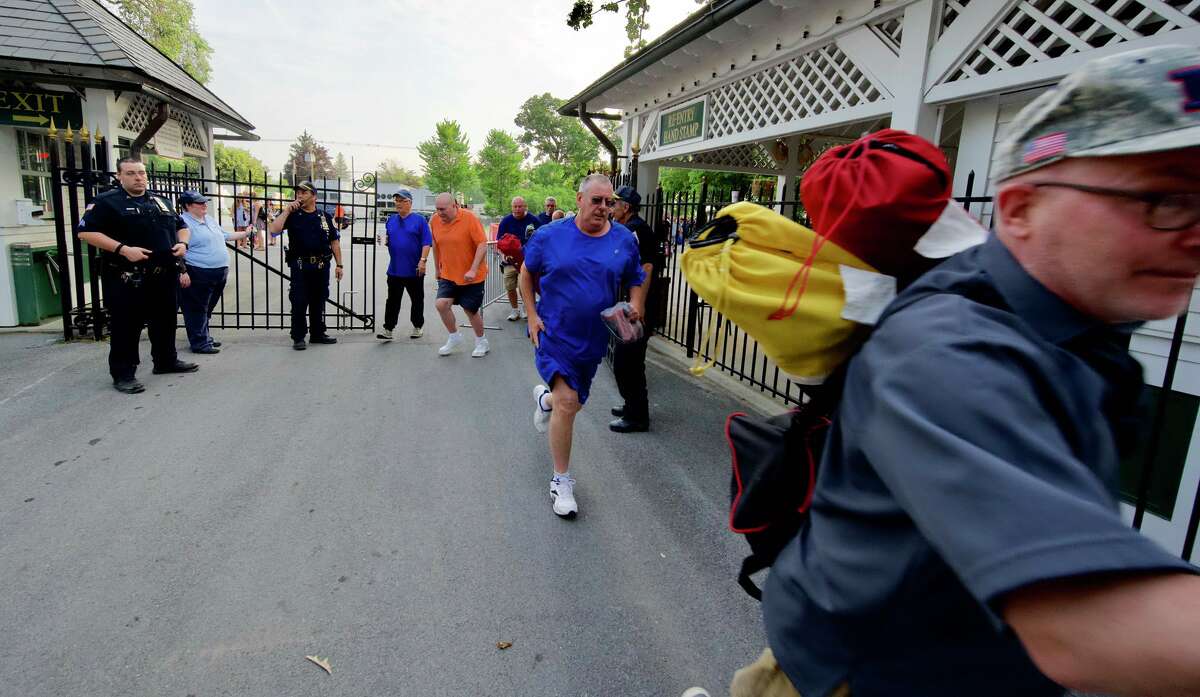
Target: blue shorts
{"x": 469, "y": 297}
{"x": 578, "y": 375}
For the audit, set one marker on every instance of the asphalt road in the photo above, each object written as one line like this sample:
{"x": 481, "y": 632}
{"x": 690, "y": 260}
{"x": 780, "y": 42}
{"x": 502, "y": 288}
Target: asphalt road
{"x": 370, "y": 503}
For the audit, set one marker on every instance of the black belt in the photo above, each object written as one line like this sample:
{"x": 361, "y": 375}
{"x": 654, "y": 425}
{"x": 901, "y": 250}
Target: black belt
{"x": 317, "y": 261}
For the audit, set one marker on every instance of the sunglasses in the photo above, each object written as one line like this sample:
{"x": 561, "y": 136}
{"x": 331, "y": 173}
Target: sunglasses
{"x": 601, "y": 201}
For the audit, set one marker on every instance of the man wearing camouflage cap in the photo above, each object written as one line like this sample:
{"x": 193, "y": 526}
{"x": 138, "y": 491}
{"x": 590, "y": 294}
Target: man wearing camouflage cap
{"x": 965, "y": 536}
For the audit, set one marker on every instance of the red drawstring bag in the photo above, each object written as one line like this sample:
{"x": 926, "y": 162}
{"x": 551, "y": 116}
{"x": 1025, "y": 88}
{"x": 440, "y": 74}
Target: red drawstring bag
{"x": 876, "y": 197}
{"x": 509, "y": 245}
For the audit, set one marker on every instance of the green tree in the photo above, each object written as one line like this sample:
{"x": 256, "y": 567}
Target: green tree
{"x": 340, "y": 167}
{"x": 230, "y": 160}
{"x": 547, "y": 179}
{"x": 499, "y": 171}
{"x": 446, "y": 159}
{"x": 675, "y": 180}
{"x": 170, "y": 26}
{"x": 391, "y": 170}
{"x": 158, "y": 163}
{"x": 557, "y": 138}
{"x": 296, "y": 168}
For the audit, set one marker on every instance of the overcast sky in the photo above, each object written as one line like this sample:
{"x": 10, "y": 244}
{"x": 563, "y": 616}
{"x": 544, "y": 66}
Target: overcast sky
{"x": 385, "y": 71}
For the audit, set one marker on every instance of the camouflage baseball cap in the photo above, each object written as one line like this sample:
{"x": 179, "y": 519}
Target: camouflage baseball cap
{"x": 1124, "y": 104}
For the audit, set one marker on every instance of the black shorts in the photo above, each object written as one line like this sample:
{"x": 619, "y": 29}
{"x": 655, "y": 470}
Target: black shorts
{"x": 470, "y": 298}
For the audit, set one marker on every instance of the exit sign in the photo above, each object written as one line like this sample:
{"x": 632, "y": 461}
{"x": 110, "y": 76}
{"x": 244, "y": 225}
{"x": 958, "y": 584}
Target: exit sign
{"x": 34, "y": 108}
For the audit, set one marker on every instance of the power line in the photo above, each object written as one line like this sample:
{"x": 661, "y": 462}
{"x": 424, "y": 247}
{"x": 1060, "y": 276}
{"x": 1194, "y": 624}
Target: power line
{"x": 341, "y": 142}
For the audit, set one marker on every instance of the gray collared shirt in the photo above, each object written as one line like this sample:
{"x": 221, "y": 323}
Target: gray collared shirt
{"x": 975, "y": 451}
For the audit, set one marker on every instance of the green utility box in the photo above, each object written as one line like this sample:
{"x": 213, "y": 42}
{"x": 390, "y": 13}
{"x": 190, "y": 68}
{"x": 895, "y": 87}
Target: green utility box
{"x": 36, "y": 281}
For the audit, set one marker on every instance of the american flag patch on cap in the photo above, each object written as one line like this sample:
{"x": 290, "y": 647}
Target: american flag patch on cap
{"x": 1046, "y": 146}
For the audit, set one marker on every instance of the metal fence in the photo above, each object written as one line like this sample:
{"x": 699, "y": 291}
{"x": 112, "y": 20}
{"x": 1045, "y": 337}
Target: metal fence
{"x": 256, "y": 295}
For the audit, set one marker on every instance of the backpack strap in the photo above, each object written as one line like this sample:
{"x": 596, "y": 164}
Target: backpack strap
{"x": 752, "y": 565}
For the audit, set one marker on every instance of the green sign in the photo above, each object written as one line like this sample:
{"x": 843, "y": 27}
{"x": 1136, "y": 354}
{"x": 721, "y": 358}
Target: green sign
{"x": 681, "y": 125}
{"x": 33, "y": 107}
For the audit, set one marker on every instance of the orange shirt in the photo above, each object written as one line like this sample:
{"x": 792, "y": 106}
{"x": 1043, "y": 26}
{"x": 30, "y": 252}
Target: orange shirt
{"x": 454, "y": 245}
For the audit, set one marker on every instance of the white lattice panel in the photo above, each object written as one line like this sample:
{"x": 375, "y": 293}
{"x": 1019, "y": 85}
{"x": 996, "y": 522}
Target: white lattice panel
{"x": 1040, "y": 30}
{"x": 190, "y": 136}
{"x": 141, "y": 109}
{"x": 817, "y": 82}
{"x": 952, "y": 10}
{"x": 891, "y": 32}
{"x": 748, "y": 155}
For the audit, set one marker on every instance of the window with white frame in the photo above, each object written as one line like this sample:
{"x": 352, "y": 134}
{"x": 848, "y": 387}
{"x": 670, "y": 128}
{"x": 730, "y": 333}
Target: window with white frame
{"x": 33, "y": 159}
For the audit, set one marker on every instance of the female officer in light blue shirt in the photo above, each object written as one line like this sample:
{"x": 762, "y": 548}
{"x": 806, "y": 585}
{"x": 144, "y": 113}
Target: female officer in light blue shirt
{"x": 201, "y": 288}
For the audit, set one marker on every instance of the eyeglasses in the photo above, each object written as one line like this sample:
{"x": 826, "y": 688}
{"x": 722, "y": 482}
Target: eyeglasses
{"x": 1166, "y": 211}
{"x": 601, "y": 201}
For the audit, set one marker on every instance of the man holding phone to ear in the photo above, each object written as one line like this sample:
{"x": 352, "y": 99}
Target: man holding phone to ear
{"x": 314, "y": 241}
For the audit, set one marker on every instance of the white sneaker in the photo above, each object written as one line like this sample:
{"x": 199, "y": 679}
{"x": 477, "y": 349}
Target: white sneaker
{"x": 562, "y": 491}
{"x": 541, "y": 417}
{"x": 451, "y": 345}
{"x": 523, "y": 314}
{"x": 384, "y": 334}
{"x": 513, "y": 315}
{"x": 416, "y": 333}
{"x": 695, "y": 692}
{"x": 481, "y": 347}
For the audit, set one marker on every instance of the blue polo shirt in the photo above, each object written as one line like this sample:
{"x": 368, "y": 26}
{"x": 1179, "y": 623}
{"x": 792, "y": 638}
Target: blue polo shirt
{"x": 206, "y": 245}
{"x": 975, "y": 451}
{"x": 405, "y": 238}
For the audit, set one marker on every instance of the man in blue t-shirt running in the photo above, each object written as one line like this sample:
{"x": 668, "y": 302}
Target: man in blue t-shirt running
{"x": 408, "y": 241}
{"x": 580, "y": 264}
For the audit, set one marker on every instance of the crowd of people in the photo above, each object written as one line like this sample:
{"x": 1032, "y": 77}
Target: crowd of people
{"x": 964, "y": 535}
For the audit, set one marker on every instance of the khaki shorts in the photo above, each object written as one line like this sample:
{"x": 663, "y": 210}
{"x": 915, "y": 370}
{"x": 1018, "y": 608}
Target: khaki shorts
{"x": 510, "y": 277}
{"x": 764, "y": 678}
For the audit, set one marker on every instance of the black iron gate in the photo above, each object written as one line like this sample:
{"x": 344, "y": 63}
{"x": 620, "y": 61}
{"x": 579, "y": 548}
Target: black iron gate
{"x": 256, "y": 293}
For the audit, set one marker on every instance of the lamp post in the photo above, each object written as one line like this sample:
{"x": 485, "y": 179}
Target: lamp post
{"x": 308, "y": 157}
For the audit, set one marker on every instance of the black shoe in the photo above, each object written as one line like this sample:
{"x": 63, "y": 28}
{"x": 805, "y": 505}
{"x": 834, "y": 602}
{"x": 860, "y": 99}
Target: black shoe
{"x": 216, "y": 344}
{"x": 179, "y": 367}
{"x": 323, "y": 340}
{"x": 299, "y": 345}
{"x": 618, "y": 411}
{"x": 130, "y": 386}
{"x": 623, "y": 426}
{"x": 207, "y": 349}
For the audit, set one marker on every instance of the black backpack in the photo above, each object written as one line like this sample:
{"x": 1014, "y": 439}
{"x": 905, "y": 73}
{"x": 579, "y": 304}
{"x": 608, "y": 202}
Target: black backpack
{"x": 774, "y": 475}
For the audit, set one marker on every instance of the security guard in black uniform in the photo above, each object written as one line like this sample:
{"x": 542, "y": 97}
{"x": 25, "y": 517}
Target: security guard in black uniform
{"x": 142, "y": 241}
{"x": 312, "y": 241}
{"x": 629, "y": 360}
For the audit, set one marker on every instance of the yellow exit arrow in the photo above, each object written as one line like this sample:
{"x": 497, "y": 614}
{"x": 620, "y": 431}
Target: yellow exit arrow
{"x": 40, "y": 120}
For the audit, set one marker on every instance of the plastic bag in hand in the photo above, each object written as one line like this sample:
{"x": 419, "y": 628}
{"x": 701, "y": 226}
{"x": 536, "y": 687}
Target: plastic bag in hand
{"x": 616, "y": 318}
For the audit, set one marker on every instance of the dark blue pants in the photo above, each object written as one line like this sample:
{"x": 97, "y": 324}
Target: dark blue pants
{"x": 198, "y": 300}
{"x": 308, "y": 293}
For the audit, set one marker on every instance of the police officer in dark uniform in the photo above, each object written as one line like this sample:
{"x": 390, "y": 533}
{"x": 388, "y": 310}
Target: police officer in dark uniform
{"x": 313, "y": 240}
{"x": 142, "y": 242}
{"x": 629, "y": 360}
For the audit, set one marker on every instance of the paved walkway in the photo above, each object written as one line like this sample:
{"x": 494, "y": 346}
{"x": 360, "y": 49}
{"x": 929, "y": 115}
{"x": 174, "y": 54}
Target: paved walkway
{"x": 368, "y": 502}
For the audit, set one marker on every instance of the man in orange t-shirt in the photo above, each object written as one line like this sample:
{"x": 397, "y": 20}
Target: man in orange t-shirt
{"x": 458, "y": 249}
